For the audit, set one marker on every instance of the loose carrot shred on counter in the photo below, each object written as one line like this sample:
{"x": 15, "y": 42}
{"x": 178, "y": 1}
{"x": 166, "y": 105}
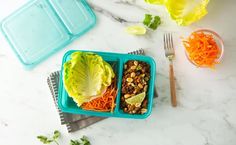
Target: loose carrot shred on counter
{"x": 202, "y": 49}
{"x": 104, "y": 103}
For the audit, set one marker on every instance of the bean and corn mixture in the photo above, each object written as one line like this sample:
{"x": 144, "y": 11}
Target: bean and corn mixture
{"x": 135, "y": 81}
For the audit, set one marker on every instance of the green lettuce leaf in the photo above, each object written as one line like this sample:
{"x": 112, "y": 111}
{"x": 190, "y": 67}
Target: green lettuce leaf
{"x": 86, "y": 76}
{"x": 155, "y": 1}
{"x": 108, "y": 74}
{"x": 184, "y": 12}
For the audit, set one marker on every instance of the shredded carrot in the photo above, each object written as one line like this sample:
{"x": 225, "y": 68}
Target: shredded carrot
{"x": 202, "y": 49}
{"x": 104, "y": 103}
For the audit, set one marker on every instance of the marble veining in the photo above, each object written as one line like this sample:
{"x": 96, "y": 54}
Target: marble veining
{"x": 3, "y": 123}
{"x": 131, "y": 3}
{"x": 2, "y": 55}
{"x": 110, "y": 14}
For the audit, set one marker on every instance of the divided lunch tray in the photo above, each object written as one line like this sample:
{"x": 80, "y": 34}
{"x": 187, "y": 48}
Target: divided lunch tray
{"x": 42, "y": 27}
{"x": 66, "y": 103}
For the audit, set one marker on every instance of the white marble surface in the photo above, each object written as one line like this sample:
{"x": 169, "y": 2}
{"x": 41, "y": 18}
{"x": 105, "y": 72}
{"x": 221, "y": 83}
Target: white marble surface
{"x": 206, "y": 114}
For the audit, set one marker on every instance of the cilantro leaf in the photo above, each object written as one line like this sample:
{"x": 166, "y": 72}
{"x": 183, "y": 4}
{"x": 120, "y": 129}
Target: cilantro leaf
{"x": 85, "y": 140}
{"x": 56, "y": 134}
{"x": 49, "y": 140}
{"x": 156, "y": 22}
{"x": 74, "y": 142}
{"x": 44, "y": 139}
{"x": 151, "y": 21}
{"x": 147, "y": 20}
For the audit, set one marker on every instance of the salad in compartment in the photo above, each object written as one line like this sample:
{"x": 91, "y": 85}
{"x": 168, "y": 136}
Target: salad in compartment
{"x": 90, "y": 82}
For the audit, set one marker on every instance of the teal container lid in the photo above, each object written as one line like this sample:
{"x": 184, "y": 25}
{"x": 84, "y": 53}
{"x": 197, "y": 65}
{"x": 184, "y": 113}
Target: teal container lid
{"x": 42, "y": 27}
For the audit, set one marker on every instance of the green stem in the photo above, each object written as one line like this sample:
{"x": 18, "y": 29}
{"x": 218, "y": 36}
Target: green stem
{"x": 56, "y": 142}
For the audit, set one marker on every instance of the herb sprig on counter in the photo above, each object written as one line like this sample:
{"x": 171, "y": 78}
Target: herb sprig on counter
{"x": 49, "y": 140}
{"x": 83, "y": 141}
{"x": 151, "y": 21}
{"x": 56, "y": 135}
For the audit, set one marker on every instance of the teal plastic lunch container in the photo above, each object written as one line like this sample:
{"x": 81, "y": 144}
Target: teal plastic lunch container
{"x": 66, "y": 103}
{"x": 42, "y": 27}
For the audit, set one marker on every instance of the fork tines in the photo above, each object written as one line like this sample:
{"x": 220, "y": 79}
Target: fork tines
{"x": 168, "y": 44}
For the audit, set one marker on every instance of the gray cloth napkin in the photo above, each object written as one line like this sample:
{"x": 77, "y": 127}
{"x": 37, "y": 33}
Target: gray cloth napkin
{"x": 75, "y": 122}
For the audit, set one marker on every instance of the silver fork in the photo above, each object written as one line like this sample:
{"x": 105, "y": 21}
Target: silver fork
{"x": 170, "y": 54}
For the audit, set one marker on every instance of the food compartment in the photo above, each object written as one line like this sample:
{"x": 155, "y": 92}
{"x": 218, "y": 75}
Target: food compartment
{"x": 137, "y": 87}
{"x": 67, "y": 104}
{"x": 135, "y": 81}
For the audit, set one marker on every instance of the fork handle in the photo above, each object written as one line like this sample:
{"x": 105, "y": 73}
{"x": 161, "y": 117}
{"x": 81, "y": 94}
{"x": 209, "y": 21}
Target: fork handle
{"x": 172, "y": 86}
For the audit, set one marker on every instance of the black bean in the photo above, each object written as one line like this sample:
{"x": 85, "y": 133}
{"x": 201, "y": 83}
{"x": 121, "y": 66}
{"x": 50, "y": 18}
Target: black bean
{"x": 141, "y": 77}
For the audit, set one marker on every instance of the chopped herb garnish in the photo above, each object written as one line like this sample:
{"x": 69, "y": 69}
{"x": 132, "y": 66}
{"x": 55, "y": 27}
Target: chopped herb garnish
{"x": 151, "y": 21}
